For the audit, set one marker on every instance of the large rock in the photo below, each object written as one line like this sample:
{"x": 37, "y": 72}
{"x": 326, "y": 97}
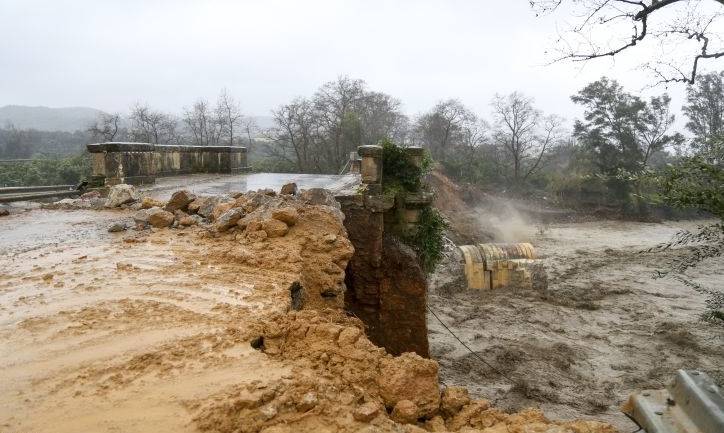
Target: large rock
{"x": 220, "y": 209}
{"x": 228, "y": 219}
{"x": 179, "y": 201}
{"x": 287, "y": 215}
{"x": 453, "y": 399}
{"x": 472, "y": 415}
{"x": 319, "y": 197}
{"x": 405, "y": 412}
{"x": 366, "y": 412}
{"x": 189, "y": 220}
{"x": 410, "y": 377}
{"x": 289, "y": 189}
{"x": 274, "y": 228}
{"x": 4, "y": 212}
{"x": 141, "y": 217}
{"x": 121, "y": 194}
{"x": 255, "y": 200}
{"x": 160, "y": 218}
{"x": 90, "y": 195}
{"x": 148, "y": 203}
{"x": 205, "y": 206}
{"x": 194, "y": 206}
{"x": 118, "y": 226}
{"x": 307, "y": 402}
{"x": 76, "y": 203}
{"x": 322, "y": 197}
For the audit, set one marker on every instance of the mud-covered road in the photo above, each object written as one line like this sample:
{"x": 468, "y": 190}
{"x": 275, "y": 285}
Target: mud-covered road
{"x": 603, "y": 327}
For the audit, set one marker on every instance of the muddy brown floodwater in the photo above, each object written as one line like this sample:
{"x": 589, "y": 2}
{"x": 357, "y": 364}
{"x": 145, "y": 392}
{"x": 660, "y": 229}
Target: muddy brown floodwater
{"x": 602, "y": 329}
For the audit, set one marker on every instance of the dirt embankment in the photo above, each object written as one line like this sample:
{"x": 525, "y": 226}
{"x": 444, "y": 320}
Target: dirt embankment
{"x": 196, "y": 329}
{"x": 602, "y": 328}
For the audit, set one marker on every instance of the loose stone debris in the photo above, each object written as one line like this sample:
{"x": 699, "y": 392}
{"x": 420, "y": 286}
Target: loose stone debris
{"x": 121, "y": 194}
{"x": 118, "y": 226}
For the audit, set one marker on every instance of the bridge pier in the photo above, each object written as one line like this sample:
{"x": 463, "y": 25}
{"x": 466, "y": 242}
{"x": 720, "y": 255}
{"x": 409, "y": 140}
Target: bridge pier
{"x": 386, "y": 288}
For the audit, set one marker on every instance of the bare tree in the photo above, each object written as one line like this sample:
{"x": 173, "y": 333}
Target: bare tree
{"x": 206, "y": 126}
{"x": 249, "y": 127}
{"x": 444, "y": 126}
{"x": 338, "y": 122}
{"x": 524, "y": 134}
{"x": 293, "y": 137}
{"x": 151, "y": 126}
{"x": 605, "y": 28}
{"x": 381, "y": 117}
{"x": 318, "y": 133}
{"x": 106, "y": 127}
{"x": 228, "y": 113}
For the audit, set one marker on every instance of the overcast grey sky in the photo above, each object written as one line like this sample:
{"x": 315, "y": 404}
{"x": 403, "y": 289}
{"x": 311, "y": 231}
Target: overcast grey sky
{"x": 109, "y": 54}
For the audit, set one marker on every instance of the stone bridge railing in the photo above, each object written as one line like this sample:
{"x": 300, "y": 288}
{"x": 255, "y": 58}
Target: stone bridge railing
{"x": 140, "y": 163}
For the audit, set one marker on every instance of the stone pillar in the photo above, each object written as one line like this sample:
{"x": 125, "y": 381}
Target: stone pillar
{"x": 98, "y": 170}
{"x": 386, "y": 288}
{"x": 413, "y": 205}
{"x": 415, "y": 155}
{"x": 371, "y": 166}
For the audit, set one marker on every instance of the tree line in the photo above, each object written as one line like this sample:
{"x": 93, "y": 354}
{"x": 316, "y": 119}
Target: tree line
{"x": 201, "y": 124}
{"x": 516, "y": 148}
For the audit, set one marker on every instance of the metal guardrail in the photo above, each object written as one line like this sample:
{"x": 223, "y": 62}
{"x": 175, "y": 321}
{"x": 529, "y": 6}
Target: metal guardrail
{"x": 28, "y": 189}
{"x": 693, "y": 403}
{"x": 28, "y": 193}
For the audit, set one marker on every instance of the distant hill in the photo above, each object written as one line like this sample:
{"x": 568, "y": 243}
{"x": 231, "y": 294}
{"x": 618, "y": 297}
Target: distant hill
{"x": 48, "y": 119}
{"x": 69, "y": 119}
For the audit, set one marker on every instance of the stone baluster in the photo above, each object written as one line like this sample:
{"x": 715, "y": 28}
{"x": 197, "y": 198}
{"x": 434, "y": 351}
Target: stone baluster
{"x": 371, "y": 166}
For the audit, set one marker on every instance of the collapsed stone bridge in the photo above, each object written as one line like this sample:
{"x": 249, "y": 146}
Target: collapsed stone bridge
{"x": 386, "y": 287}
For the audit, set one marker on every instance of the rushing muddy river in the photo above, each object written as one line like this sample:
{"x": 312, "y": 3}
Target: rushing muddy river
{"x": 602, "y": 328}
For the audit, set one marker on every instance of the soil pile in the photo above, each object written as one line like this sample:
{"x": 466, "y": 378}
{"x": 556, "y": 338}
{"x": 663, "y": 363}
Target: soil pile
{"x": 453, "y": 201}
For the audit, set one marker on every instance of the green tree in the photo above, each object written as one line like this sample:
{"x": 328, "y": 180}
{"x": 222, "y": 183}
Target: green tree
{"x": 697, "y": 182}
{"x": 705, "y": 110}
{"x": 620, "y": 132}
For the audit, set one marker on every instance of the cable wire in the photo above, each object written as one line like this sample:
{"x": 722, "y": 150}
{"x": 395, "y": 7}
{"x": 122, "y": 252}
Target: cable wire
{"x": 468, "y": 348}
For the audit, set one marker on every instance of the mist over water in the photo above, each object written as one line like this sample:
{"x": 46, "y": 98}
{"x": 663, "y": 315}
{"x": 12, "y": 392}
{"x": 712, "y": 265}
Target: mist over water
{"x": 504, "y": 222}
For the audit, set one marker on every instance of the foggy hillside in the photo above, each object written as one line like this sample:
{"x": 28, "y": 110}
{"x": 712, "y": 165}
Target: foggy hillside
{"x": 67, "y": 119}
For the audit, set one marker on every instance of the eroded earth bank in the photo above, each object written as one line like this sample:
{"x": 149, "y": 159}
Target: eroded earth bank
{"x": 229, "y": 322}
